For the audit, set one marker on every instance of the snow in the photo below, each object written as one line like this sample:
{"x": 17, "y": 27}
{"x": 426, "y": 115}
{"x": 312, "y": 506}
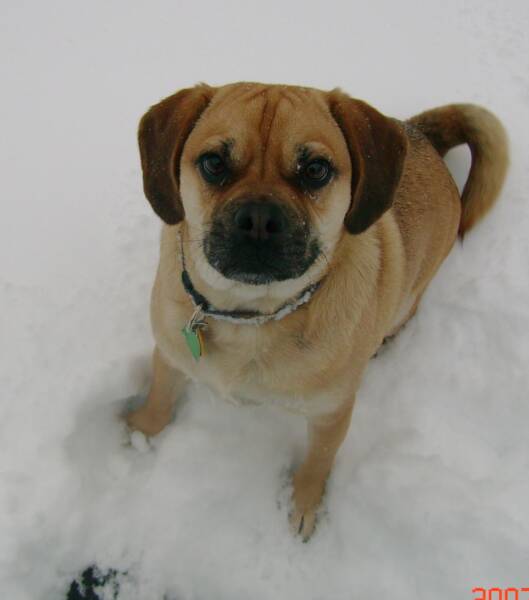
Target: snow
{"x": 430, "y": 492}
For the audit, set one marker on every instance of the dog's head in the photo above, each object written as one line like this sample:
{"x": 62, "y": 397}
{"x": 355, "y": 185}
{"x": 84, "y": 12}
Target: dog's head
{"x": 268, "y": 178}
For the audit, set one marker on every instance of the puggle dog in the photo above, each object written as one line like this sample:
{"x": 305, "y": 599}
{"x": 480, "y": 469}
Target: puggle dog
{"x": 302, "y": 228}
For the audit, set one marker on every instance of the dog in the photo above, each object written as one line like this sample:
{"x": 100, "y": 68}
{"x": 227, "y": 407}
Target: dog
{"x": 301, "y": 229}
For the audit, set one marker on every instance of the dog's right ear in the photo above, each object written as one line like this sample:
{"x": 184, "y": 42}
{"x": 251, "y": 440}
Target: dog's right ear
{"x": 162, "y": 134}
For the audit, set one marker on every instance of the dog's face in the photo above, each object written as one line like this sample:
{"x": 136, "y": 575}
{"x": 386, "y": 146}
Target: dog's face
{"x": 265, "y": 182}
{"x": 268, "y": 178}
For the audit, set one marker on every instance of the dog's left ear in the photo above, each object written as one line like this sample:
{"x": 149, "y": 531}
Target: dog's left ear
{"x": 377, "y": 147}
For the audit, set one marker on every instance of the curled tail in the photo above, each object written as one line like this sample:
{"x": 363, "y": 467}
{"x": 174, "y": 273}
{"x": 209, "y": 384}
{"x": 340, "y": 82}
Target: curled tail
{"x": 456, "y": 124}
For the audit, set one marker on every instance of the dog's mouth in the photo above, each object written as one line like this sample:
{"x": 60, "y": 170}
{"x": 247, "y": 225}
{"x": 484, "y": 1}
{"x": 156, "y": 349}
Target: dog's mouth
{"x": 257, "y": 266}
{"x": 245, "y": 253}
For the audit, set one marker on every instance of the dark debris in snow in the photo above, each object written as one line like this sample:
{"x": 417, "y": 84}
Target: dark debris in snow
{"x": 92, "y": 582}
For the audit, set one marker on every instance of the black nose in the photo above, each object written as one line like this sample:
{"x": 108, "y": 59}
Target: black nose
{"x": 260, "y": 220}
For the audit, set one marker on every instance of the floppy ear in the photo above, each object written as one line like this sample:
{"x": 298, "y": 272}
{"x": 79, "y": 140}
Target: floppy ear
{"x": 162, "y": 134}
{"x": 377, "y": 147}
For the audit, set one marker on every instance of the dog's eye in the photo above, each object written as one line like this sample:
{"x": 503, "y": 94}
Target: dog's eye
{"x": 213, "y": 168}
{"x": 316, "y": 173}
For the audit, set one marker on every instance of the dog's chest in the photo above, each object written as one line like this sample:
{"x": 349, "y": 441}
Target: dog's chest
{"x": 245, "y": 365}
{"x": 279, "y": 363}
{"x": 237, "y": 362}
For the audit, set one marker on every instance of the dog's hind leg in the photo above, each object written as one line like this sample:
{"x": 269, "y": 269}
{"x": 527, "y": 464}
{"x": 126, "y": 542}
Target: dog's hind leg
{"x": 157, "y": 412}
{"x": 404, "y": 316}
{"x": 406, "y": 313}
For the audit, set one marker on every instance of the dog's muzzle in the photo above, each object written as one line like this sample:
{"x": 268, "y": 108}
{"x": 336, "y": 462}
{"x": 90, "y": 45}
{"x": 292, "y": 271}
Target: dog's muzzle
{"x": 259, "y": 241}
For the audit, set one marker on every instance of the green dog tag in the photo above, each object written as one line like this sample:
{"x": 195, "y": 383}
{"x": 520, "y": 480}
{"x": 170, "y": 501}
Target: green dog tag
{"x": 193, "y": 339}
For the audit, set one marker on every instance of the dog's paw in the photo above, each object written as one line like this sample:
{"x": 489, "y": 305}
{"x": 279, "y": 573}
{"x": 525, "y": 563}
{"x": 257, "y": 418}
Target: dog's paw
{"x": 303, "y": 523}
{"x": 147, "y": 421}
{"x": 306, "y": 498}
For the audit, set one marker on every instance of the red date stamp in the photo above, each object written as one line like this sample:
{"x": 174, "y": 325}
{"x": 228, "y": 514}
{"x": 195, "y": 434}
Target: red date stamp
{"x": 501, "y": 593}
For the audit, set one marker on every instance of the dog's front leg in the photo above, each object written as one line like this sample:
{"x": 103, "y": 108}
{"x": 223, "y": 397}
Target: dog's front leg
{"x": 325, "y": 437}
{"x": 167, "y": 385}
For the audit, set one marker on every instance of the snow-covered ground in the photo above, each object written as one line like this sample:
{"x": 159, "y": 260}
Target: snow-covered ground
{"x": 430, "y": 494}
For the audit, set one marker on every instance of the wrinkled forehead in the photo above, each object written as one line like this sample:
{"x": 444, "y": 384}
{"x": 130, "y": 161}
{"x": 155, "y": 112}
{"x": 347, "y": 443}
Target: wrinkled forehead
{"x": 269, "y": 122}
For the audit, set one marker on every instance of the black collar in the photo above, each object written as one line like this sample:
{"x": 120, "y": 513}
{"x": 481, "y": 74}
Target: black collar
{"x": 245, "y": 317}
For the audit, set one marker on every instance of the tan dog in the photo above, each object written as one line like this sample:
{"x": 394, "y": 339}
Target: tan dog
{"x": 309, "y": 225}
